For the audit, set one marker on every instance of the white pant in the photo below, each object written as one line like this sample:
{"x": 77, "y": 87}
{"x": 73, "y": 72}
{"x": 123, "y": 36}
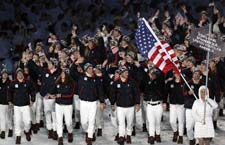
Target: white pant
{"x": 76, "y": 102}
{"x": 87, "y": 115}
{"x": 114, "y": 121}
{"x": 216, "y": 114}
{"x": 3, "y": 117}
{"x": 177, "y": 113}
{"x": 190, "y": 123}
{"x": 36, "y": 109}
{"x": 66, "y": 111}
{"x": 143, "y": 111}
{"x": 10, "y": 118}
{"x": 221, "y": 103}
{"x": 99, "y": 117}
{"x": 125, "y": 115}
{"x": 22, "y": 115}
{"x": 154, "y": 116}
{"x": 49, "y": 109}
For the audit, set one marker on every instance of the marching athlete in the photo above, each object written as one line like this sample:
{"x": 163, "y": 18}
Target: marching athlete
{"x": 175, "y": 91}
{"x": 76, "y": 67}
{"x": 126, "y": 97}
{"x": 89, "y": 92}
{"x": 48, "y": 78}
{"x": 21, "y": 95}
{"x": 64, "y": 91}
{"x": 4, "y": 92}
{"x": 99, "y": 114}
{"x": 153, "y": 95}
{"x": 195, "y": 84}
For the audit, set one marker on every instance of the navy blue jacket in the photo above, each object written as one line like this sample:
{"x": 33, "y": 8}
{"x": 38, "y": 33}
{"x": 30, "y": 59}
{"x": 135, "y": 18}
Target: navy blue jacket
{"x": 176, "y": 92}
{"x": 21, "y": 93}
{"x": 154, "y": 90}
{"x": 4, "y": 92}
{"x": 66, "y": 91}
{"x": 94, "y": 56}
{"x": 125, "y": 94}
{"x": 189, "y": 99}
{"x": 89, "y": 89}
{"x": 47, "y": 79}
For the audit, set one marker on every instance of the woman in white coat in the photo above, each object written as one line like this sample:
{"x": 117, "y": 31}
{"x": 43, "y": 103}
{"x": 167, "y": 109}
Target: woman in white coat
{"x": 202, "y": 111}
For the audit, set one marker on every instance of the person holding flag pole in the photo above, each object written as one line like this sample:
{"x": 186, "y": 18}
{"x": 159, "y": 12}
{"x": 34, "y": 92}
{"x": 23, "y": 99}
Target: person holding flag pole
{"x": 204, "y": 127}
{"x": 160, "y": 53}
{"x": 162, "y": 49}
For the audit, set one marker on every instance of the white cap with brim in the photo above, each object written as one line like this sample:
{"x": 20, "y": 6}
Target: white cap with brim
{"x": 131, "y": 54}
{"x": 123, "y": 69}
{"x": 19, "y": 70}
{"x": 4, "y": 71}
{"x": 87, "y": 65}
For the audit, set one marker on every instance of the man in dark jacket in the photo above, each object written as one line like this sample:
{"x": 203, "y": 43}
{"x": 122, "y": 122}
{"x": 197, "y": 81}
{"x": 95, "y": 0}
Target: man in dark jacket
{"x": 195, "y": 84}
{"x": 21, "y": 96}
{"x": 127, "y": 99}
{"x": 175, "y": 89}
{"x": 48, "y": 78}
{"x": 154, "y": 88}
{"x": 4, "y": 92}
{"x": 99, "y": 115}
{"x": 89, "y": 92}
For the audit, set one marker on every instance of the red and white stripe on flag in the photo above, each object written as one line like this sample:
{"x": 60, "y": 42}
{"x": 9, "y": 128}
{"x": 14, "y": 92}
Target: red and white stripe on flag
{"x": 164, "y": 58}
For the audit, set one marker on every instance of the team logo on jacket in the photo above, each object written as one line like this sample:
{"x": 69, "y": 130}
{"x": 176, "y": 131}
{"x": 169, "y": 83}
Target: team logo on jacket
{"x": 128, "y": 85}
{"x": 85, "y": 78}
{"x": 111, "y": 82}
{"x": 16, "y": 86}
{"x": 47, "y": 75}
{"x": 192, "y": 87}
{"x": 58, "y": 86}
{"x": 118, "y": 86}
{"x": 149, "y": 82}
{"x": 171, "y": 86}
{"x": 25, "y": 85}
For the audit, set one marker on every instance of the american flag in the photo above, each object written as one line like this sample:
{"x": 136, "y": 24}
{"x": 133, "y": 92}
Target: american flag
{"x": 159, "y": 52}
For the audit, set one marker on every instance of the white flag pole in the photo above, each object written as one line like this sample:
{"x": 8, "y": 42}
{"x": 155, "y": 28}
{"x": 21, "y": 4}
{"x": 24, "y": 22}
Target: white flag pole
{"x": 159, "y": 42}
